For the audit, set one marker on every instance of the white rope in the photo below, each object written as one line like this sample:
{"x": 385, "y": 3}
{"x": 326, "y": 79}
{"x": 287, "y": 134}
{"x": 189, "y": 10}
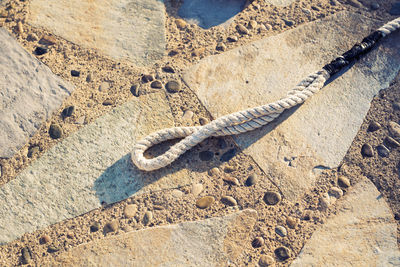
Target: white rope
{"x": 235, "y": 123}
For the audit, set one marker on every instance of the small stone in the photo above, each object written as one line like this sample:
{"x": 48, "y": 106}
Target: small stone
{"x": 48, "y": 40}
{"x": 147, "y": 218}
{"x": 45, "y": 239}
{"x": 373, "y": 126}
{"x": 334, "y": 2}
{"x": 205, "y": 202}
{"x": 53, "y": 248}
{"x": 111, "y": 226}
{"x": 344, "y": 182}
{"x": 55, "y": 131}
{"x": 354, "y": 3}
{"x": 262, "y": 28}
{"x": 26, "y": 255}
{"x": 89, "y": 78}
{"x": 33, "y": 151}
{"x": 272, "y": 198}
{"x": 282, "y": 253}
{"x": 80, "y": 120}
{"x": 383, "y": 151}
{"x": 252, "y": 24}
{"x": 156, "y": 85}
{"x": 20, "y": 28}
{"x": 395, "y": 10}
{"x": 70, "y": 235}
{"x": 177, "y": 193}
{"x": 75, "y": 73}
{"x": 206, "y": 155}
{"x": 324, "y": 201}
{"x": 214, "y": 171}
{"x": 257, "y": 242}
{"x": 135, "y": 90}
{"x": 221, "y": 47}
{"x": 173, "y": 86}
{"x": 95, "y": 227}
{"x": 173, "y": 52}
{"x": 251, "y": 180}
{"x": 242, "y": 29}
{"x": 187, "y": 116}
{"x": 366, "y": 150}
{"x": 180, "y": 23}
{"x": 280, "y": 230}
{"x": 232, "y": 38}
{"x": 335, "y": 192}
{"x": 130, "y": 210}
{"x": 32, "y": 37}
{"x": 229, "y": 201}
{"x": 394, "y": 129}
{"x": 390, "y": 142}
{"x": 231, "y": 180}
{"x": 306, "y": 11}
{"x": 229, "y": 169}
{"x": 268, "y": 27}
{"x": 288, "y": 22}
{"x": 198, "y": 52}
{"x": 147, "y": 78}
{"x": 396, "y": 105}
{"x": 127, "y": 228}
{"x": 108, "y": 102}
{"x": 375, "y": 6}
{"x": 203, "y": 121}
{"x": 68, "y": 111}
{"x": 197, "y": 189}
{"x": 168, "y": 69}
{"x": 266, "y": 261}
{"x": 40, "y": 51}
{"x": 291, "y": 222}
{"x": 104, "y": 86}
{"x": 222, "y": 143}
{"x": 227, "y": 156}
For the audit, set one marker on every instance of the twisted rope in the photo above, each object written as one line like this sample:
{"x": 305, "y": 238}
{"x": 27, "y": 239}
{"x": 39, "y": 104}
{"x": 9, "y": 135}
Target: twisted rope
{"x": 252, "y": 118}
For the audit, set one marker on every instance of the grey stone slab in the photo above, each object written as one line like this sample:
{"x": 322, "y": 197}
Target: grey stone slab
{"x": 29, "y": 93}
{"x": 121, "y": 29}
{"x": 316, "y": 135}
{"x": 212, "y": 242}
{"x": 88, "y": 167}
{"x": 362, "y": 233}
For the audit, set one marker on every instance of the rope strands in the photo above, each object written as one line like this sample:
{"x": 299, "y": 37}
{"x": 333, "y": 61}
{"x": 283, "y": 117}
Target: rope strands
{"x": 252, "y": 118}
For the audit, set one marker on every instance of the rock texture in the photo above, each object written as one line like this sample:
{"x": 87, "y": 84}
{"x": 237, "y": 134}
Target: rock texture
{"x": 132, "y": 30}
{"x": 87, "y": 168}
{"x": 362, "y": 233}
{"x": 29, "y": 93}
{"x": 211, "y": 242}
{"x": 316, "y": 135}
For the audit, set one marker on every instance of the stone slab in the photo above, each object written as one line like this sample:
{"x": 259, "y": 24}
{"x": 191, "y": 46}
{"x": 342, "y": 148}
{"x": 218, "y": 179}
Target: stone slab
{"x": 212, "y": 242}
{"x": 29, "y": 94}
{"x": 362, "y": 233}
{"x": 87, "y": 168}
{"x": 121, "y": 29}
{"x": 317, "y": 134}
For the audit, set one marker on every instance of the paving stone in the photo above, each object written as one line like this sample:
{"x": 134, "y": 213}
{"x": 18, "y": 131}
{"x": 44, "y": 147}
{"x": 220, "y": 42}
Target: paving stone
{"x": 211, "y": 242}
{"x": 362, "y": 233}
{"x": 131, "y": 30}
{"x": 29, "y": 94}
{"x": 317, "y": 134}
{"x": 87, "y": 168}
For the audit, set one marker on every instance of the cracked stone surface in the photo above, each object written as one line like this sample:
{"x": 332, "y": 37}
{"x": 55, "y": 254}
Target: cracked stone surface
{"x": 87, "y": 168}
{"x": 29, "y": 93}
{"x": 210, "y": 242}
{"x": 316, "y": 135}
{"x": 362, "y": 233}
{"x": 140, "y": 37}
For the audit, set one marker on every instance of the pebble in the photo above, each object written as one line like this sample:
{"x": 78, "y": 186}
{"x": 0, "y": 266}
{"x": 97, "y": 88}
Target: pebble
{"x": 187, "y": 116}
{"x": 222, "y": 143}
{"x": 291, "y": 222}
{"x": 306, "y": 11}
{"x": 282, "y": 253}
{"x": 257, "y": 242}
{"x": 45, "y": 239}
{"x": 68, "y": 111}
{"x": 354, "y": 3}
{"x": 197, "y": 189}
{"x": 206, "y": 155}
{"x": 55, "y": 131}
{"x": 156, "y": 85}
{"x": 272, "y": 198}
{"x": 198, "y": 52}
{"x": 75, "y": 73}
{"x": 104, "y": 86}
{"x": 394, "y": 129}
{"x": 396, "y": 105}
{"x": 80, "y": 120}
{"x": 20, "y": 28}
{"x": 130, "y": 210}
{"x": 229, "y": 201}
{"x": 229, "y": 169}
{"x": 389, "y": 141}
{"x": 395, "y": 10}
{"x": 383, "y": 151}
{"x": 53, "y": 248}
{"x": 70, "y": 235}
{"x": 168, "y": 69}
{"x": 335, "y": 192}
{"x": 232, "y": 38}
{"x": 205, "y": 202}
{"x": 214, "y": 171}
{"x": 33, "y": 151}
{"x": 375, "y": 6}
{"x": 288, "y": 22}
{"x": 227, "y": 156}
{"x": 177, "y": 193}
{"x": 89, "y": 78}
{"x": 266, "y": 261}
{"x": 203, "y": 121}
{"x": 180, "y": 23}
{"x": 268, "y": 27}
{"x": 344, "y": 182}
{"x": 366, "y": 151}
{"x": 135, "y": 90}
{"x": 252, "y": 24}
{"x": 231, "y": 180}
{"x": 32, "y": 37}
{"x": 147, "y": 218}
{"x": 40, "y": 50}
{"x": 108, "y": 102}
{"x": 48, "y": 40}
{"x": 147, "y": 78}
{"x": 242, "y": 29}
{"x": 26, "y": 255}
{"x": 111, "y": 226}
{"x": 173, "y": 52}
{"x": 262, "y": 28}
{"x": 324, "y": 201}
{"x": 127, "y": 228}
{"x": 221, "y": 47}
{"x": 280, "y": 230}
{"x": 373, "y": 126}
{"x": 95, "y": 227}
{"x": 335, "y": 2}
{"x": 173, "y": 86}
{"x": 251, "y": 180}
